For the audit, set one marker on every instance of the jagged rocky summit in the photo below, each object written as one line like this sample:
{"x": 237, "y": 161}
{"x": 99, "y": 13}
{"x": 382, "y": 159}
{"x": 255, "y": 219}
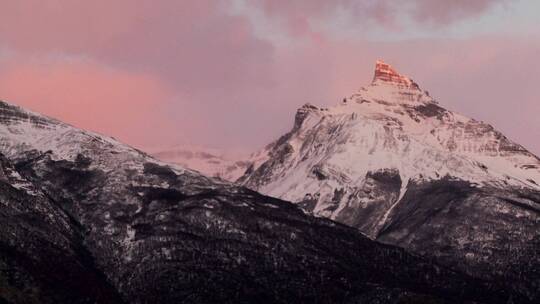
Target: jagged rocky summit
{"x": 86, "y": 219}
{"x": 392, "y": 162}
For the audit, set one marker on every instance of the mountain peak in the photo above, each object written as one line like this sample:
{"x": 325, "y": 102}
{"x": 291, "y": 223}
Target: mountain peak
{"x": 387, "y": 74}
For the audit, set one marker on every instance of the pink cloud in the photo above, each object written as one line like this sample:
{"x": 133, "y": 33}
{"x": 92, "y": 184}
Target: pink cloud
{"x": 298, "y": 15}
{"x": 192, "y": 43}
{"x": 210, "y": 59}
{"x": 87, "y": 26}
{"x": 441, "y": 12}
{"x": 113, "y": 102}
{"x": 188, "y": 70}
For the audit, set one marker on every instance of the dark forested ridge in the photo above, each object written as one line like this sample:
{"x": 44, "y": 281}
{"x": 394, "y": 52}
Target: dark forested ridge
{"x": 86, "y": 219}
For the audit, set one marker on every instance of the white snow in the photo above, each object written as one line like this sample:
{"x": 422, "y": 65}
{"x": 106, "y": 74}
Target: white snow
{"x": 380, "y": 127}
{"x": 225, "y": 164}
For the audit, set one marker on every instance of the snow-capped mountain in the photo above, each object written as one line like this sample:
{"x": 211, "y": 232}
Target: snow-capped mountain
{"x": 394, "y": 163}
{"x": 86, "y": 219}
{"x": 392, "y": 124}
{"x": 219, "y": 163}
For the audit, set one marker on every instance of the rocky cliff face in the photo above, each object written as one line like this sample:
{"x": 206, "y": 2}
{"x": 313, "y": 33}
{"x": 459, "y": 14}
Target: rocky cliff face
{"x": 392, "y": 162}
{"x": 86, "y": 219}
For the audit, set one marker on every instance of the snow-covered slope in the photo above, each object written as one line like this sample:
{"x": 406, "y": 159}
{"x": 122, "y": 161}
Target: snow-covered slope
{"x": 219, "y": 163}
{"x": 392, "y": 162}
{"x": 87, "y": 219}
{"x": 392, "y": 124}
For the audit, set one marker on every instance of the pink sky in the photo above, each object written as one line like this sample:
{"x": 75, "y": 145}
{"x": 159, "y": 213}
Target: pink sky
{"x": 232, "y": 73}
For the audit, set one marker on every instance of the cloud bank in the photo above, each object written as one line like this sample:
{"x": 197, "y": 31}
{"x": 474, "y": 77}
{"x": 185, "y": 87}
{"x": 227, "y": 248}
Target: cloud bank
{"x": 162, "y": 73}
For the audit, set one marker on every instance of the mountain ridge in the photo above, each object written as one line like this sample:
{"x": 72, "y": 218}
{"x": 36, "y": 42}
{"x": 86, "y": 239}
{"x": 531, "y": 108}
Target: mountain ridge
{"x": 392, "y": 162}
{"x": 219, "y": 163}
{"x": 146, "y": 231}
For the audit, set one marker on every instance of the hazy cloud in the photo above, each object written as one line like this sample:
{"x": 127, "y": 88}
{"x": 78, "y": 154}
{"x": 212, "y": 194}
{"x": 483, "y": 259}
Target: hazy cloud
{"x": 162, "y": 72}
